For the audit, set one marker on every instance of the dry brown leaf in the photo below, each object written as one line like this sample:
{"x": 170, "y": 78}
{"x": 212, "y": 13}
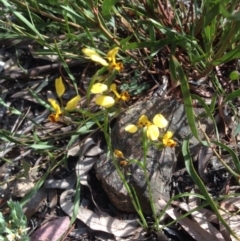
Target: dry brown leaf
{"x": 108, "y": 224}
{"x": 88, "y": 148}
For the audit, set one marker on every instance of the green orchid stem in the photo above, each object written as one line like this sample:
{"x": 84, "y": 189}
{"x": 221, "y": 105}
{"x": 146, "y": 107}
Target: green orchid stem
{"x": 134, "y": 197}
{"x": 61, "y": 101}
{"x": 145, "y": 151}
{"x": 104, "y": 129}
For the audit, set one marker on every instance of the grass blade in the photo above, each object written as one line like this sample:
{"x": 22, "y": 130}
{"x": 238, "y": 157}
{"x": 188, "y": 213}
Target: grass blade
{"x": 192, "y": 172}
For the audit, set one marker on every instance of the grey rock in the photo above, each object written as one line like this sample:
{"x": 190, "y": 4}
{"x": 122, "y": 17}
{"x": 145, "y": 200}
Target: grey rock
{"x": 160, "y": 164}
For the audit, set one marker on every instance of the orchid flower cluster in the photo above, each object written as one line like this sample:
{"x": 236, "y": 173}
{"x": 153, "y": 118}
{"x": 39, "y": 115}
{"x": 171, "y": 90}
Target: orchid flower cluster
{"x": 111, "y": 56}
{"x": 108, "y": 101}
{"x": 152, "y": 129}
{"x": 71, "y": 104}
{"x": 100, "y": 89}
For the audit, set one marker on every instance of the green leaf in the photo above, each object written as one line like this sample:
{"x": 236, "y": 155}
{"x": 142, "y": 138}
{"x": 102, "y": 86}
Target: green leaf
{"x": 211, "y": 14}
{"x": 21, "y": 18}
{"x": 179, "y": 75}
{"x": 151, "y": 44}
{"x": 233, "y": 54}
{"x": 237, "y": 130}
{"x": 41, "y": 146}
{"x": 233, "y": 95}
{"x": 107, "y": 6}
{"x": 26, "y": 168}
{"x": 208, "y": 110}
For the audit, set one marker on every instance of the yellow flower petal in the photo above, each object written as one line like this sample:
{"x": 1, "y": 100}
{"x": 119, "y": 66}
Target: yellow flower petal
{"x": 143, "y": 121}
{"x": 131, "y": 128}
{"x": 118, "y": 153}
{"x": 171, "y": 143}
{"x": 94, "y": 56}
{"x": 71, "y": 104}
{"x": 55, "y": 105}
{"x": 98, "y": 88}
{"x": 152, "y": 132}
{"x": 111, "y": 55}
{"x": 113, "y": 88}
{"x": 59, "y": 86}
{"x": 168, "y": 135}
{"x": 167, "y": 141}
{"x": 160, "y": 121}
{"x": 125, "y": 96}
{"x": 53, "y": 117}
{"x": 116, "y": 66}
{"x": 105, "y": 101}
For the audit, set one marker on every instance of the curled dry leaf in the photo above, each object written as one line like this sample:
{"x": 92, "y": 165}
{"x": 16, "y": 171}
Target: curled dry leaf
{"x": 117, "y": 227}
{"x": 88, "y": 155}
{"x": 88, "y": 148}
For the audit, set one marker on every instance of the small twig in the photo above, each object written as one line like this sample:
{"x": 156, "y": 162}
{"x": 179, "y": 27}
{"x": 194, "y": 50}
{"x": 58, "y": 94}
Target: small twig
{"x": 33, "y": 72}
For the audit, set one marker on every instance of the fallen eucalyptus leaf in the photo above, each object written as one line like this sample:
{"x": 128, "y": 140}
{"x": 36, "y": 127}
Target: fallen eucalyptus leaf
{"x": 117, "y": 227}
{"x": 74, "y": 151}
{"x": 88, "y": 156}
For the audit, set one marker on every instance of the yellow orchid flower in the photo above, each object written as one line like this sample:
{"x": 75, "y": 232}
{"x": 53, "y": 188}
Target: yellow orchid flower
{"x": 54, "y": 117}
{"x": 113, "y": 88}
{"x": 71, "y": 104}
{"x": 116, "y": 66}
{"x": 118, "y": 153}
{"x": 105, "y": 100}
{"x": 120, "y": 157}
{"x": 152, "y": 129}
{"x": 123, "y": 96}
{"x": 167, "y": 141}
{"x": 111, "y": 56}
{"x": 143, "y": 121}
